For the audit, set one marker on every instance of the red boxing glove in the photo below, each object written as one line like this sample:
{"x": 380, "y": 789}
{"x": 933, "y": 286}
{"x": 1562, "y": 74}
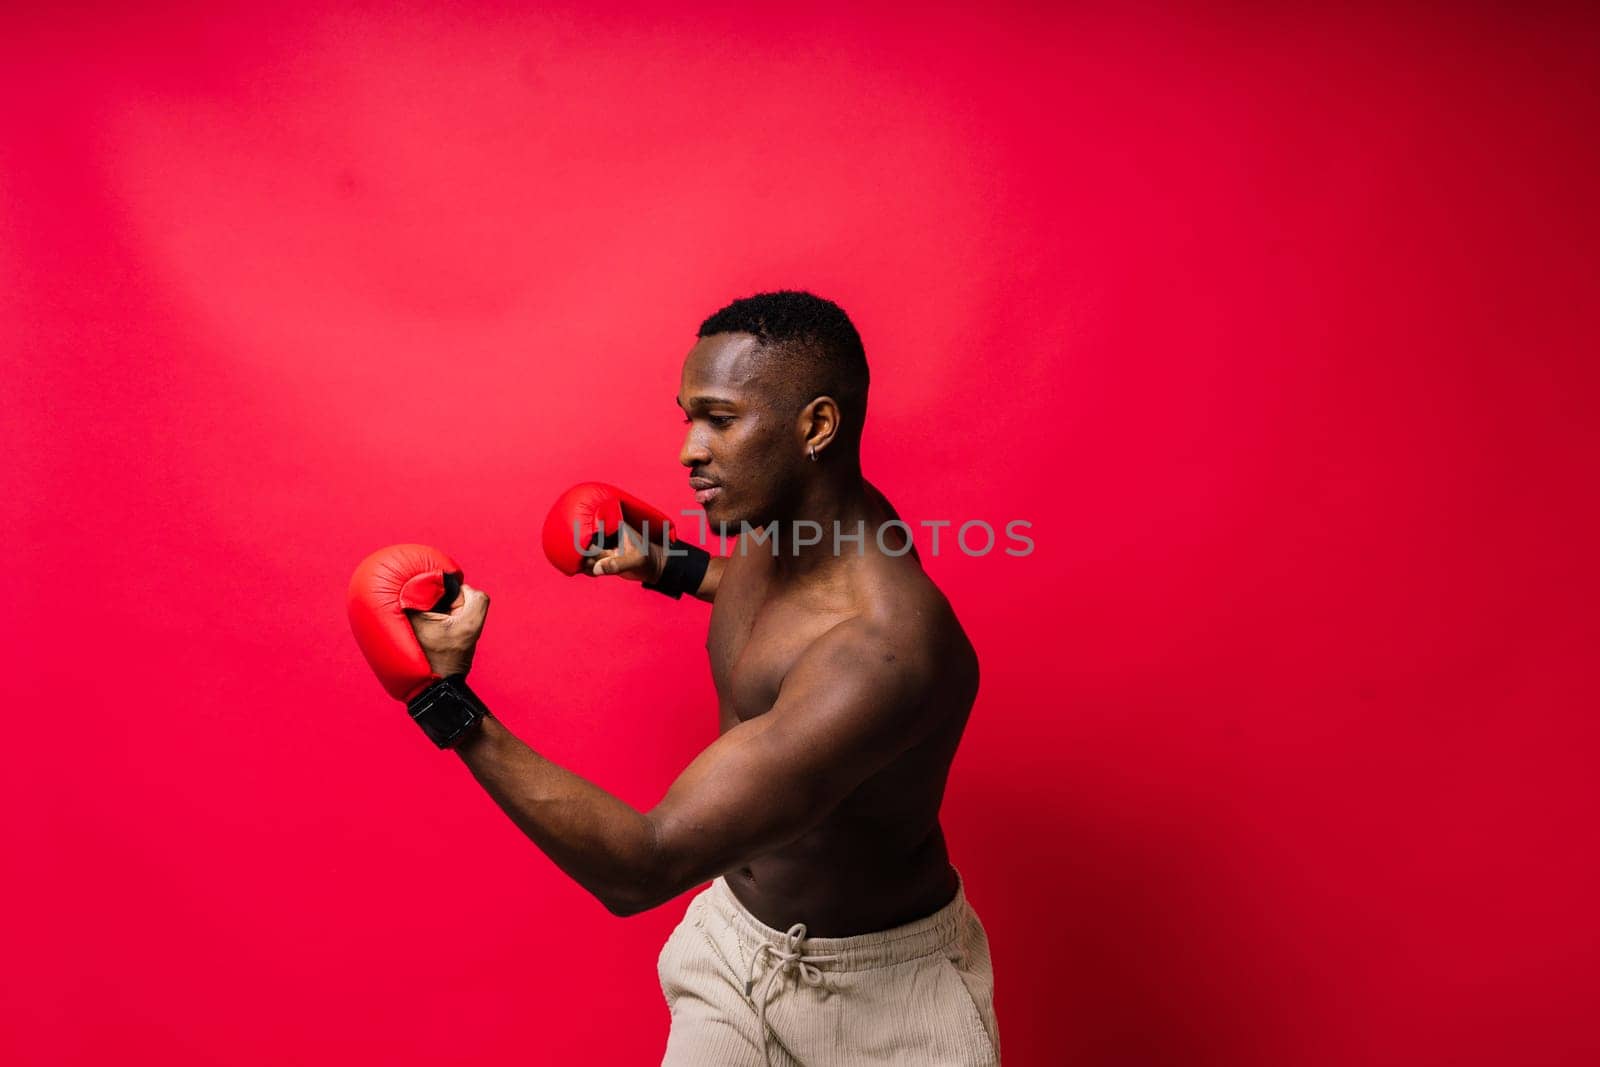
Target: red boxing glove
{"x": 384, "y": 587}
{"x": 589, "y": 508}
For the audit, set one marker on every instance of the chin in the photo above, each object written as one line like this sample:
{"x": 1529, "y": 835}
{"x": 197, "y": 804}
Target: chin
{"x": 726, "y": 520}
{"x": 726, "y": 515}
{"x": 717, "y": 515}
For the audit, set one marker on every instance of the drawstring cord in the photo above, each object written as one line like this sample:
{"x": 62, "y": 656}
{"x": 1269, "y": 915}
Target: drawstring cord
{"x": 787, "y": 957}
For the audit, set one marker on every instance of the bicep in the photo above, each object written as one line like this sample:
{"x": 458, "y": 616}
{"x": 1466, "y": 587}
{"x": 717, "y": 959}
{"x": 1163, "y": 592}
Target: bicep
{"x": 850, "y": 705}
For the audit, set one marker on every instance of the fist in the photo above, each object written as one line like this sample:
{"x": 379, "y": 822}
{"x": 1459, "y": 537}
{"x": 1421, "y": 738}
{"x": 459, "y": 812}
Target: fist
{"x": 390, "y": 587}
{"x": 632, "y": 559}
{"x": 449, "y": 638}
{"x": 594, "y": 528}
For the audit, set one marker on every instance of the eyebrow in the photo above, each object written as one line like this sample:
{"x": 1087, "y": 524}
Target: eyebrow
{"x": 705, "y": 401}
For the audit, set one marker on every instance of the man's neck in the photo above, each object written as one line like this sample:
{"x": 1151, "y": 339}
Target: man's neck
{"x": 841, "y": 503}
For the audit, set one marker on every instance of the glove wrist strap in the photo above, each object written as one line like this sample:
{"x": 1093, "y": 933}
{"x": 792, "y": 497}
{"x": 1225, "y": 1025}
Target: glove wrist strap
{"x": 447, "y": 710}
{"x": 682, "y": 570}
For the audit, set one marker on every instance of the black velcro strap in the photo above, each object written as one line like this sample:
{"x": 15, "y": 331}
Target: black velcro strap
{"x": 682, "y": 571}
{"x": 446, "y": 710}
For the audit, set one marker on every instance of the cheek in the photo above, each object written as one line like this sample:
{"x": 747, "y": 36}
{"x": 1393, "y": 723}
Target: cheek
{"x": 758, "y": 445}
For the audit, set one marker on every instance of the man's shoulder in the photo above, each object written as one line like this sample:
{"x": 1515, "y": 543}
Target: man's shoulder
{"x": 897, "y": 592}
{"x": 905, "y": 614}
{"x": 886, "y": 669}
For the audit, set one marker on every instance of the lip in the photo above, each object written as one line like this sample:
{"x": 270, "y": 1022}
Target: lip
{"x": 707, "y": 495}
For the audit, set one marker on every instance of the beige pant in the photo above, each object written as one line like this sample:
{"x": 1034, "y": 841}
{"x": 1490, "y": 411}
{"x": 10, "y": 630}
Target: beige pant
{"x": 742, "y": 993}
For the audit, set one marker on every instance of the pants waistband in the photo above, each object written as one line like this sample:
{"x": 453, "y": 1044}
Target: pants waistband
{"x": 858, "y": 952}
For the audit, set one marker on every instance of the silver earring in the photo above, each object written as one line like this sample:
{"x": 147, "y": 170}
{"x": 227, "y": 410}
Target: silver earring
{"x": 813, "y": 453}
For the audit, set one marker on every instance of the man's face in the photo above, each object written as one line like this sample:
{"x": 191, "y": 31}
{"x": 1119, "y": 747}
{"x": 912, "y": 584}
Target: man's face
{"x": 742, "y": 443}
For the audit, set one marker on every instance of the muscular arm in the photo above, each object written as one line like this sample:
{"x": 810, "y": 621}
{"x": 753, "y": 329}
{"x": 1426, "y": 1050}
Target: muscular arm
{"x": 708, "y": 584}
{"x": 852, "y": 703}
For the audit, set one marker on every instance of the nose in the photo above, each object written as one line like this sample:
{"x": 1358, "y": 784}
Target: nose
{"x": 694, "y": 453}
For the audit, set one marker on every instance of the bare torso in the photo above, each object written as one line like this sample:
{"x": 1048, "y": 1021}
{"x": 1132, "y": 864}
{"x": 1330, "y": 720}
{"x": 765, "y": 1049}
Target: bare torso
{"x": 879, "y": 859}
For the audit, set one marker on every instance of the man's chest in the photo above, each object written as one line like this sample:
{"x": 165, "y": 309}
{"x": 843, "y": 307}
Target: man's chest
{"x": 756, "y": 636}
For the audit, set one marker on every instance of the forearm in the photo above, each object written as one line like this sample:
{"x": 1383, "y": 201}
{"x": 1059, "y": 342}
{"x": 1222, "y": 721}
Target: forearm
{"x": 604, "y": 844}
{"x": 708, "y": 584}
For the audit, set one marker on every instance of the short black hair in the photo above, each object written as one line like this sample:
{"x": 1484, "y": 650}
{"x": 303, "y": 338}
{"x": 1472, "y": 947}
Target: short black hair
{"x": 815, "y": 342}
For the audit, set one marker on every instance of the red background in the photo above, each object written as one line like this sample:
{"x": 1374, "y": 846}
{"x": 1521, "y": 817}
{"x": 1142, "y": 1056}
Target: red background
{"x": 1278, "y": 325}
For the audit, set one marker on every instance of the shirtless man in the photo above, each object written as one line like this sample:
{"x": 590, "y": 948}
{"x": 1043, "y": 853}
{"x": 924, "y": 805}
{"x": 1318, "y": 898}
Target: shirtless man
{"x": 835, "y": 930}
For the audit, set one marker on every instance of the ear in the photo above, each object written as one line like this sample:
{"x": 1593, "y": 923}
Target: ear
{"x": 819, "y": 424}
